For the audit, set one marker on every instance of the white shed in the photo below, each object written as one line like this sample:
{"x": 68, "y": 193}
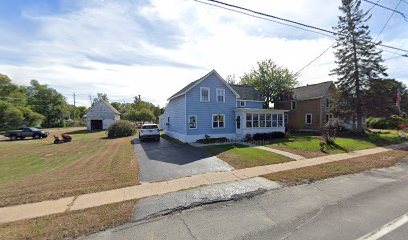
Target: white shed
{"x": 101, "y": 115}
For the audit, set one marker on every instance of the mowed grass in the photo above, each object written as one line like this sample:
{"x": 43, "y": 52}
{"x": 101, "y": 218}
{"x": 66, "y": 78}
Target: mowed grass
{"x": 240, "y": 156}
{"x": 71, "y": 224}
{"x": 37, "y": 170}
{"x": 329, "y": 170}
{"x": 307, "y": 144}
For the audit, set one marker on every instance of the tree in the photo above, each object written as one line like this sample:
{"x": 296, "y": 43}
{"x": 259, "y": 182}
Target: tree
{"x": 143, "y": 115}
{"x": 382, "y": 97}
{"x": 48, "y": 102}
{"x": 100, "y": 97}
{"x": 231, "y": 79}
{"x": 274, "y": 83}
{"x": 358, "y": 61}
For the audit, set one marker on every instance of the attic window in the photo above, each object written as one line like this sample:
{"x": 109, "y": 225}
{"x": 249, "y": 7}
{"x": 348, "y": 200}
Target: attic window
{"x": 293, "y": 105}
{"x": 241, "y": 104}
{"x": 204, "y": 94}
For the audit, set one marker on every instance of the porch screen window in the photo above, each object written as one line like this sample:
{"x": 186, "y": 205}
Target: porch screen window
{"x": 308, "y": 118}
{"x": 220, "y": 95}
{"x": 262, "y": 120}
{"x": 274, "y": 120}
{"x": 280, "y": 120}
{"x": 192, "y": 122}
{"x": 255, "y": 118}
{"x": 204, "y": 94}
{"x": 248, "y": 120}
{"x": 268, "y": 120}
{"x": 218, "y": 120}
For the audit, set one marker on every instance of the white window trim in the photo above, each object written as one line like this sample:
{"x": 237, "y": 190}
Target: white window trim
{"x": 311, "y": 118}
{"x": 212, "y": 121}
{"x": 328, "y": 118}
{"x": 195, "y": 121}
{"x": 291, "y": 105}
{"x": 328, "y": 103}
{"x": 216, "y": 93}
{"x": 201, "y": 94}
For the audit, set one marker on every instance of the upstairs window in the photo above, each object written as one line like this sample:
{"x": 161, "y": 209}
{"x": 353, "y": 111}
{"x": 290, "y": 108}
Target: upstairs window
{"x": 241, "y": 104}
{"x": 218, "y": 120}
{"x": 293, "y": 105}
{"x": 204, "y": 94}
{"x": 220, "y": 95}
{"x": 308, "y": 118}
{"x": 328, "y": 103}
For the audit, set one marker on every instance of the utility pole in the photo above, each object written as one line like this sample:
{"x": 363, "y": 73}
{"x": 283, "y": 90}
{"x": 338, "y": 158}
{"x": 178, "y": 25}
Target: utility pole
{"x": 74, "y": 106}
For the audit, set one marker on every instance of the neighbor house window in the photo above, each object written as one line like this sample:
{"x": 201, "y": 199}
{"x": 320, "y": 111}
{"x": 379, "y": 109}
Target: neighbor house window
{"x": 328, "y": 103}
{"x": 286, "y": 119}
{"x": 308, "y": 118}
{"x": 220, "y": 95}
{"x": 218, "y": 120}
{"x": 329, "y": 116}
{"x": 204, "y": 94}
{"x": 248, "y": 120}
{"x": 241, "y": 104}
{"x": 293, "y": 105}
{"x": 192, "y": 122}
{"x": 280, "y": 120}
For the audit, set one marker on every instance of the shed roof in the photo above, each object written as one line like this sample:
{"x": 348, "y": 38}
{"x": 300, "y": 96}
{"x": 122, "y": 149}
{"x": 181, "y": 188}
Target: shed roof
{"x": 108, "y": 105}
{"x": 311, "y": 91}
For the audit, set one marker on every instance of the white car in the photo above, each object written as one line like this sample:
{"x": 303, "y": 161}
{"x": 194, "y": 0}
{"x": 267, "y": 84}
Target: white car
{"x": 149, "y": 131}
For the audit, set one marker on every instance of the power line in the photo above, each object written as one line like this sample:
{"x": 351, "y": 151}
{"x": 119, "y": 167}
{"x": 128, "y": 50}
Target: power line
{"x": 388, "y": 20}
{"x": 390, "y": 9}
{"x": 287, "y": 20}
{"x": 321, "y": 54}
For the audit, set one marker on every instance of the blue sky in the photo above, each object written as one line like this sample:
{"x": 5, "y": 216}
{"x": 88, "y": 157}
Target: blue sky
{"x": 154, "y": 48}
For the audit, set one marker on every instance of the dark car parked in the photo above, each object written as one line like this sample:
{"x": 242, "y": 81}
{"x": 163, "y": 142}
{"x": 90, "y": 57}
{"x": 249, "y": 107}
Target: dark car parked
{"x": 35, "y": 133}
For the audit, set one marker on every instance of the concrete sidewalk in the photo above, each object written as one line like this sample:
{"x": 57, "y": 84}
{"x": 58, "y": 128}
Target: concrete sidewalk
{"x": 32, "y": 210}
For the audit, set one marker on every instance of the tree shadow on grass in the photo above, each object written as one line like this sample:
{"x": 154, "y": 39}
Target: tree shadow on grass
{"x": 83, "y": 132}
{"x": 332, "y": 147}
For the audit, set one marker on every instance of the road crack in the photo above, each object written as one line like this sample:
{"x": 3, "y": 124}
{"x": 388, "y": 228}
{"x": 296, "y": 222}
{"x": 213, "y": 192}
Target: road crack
{"x": 71, "y": 204}
{"x": 188, "y": 228}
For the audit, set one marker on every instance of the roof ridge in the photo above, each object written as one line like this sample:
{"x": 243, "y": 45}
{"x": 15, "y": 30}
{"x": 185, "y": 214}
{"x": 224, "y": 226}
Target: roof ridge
{"x": 308, "y": 85}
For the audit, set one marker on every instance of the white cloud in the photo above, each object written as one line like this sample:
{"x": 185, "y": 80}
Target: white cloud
{"x": 124, "y": 48}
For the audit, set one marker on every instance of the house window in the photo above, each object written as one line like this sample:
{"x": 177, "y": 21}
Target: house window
{"x": 238, "y": 122}
{"x": 328, "y": 103}
{"x": 241, "y": 104}
{"x": 274, "y": 120}
{"x": 286, "y": 119}
{"x": 218, "y": 120}
{"x": 204, "y": 94}
{"x": 262, "y": 120}
{"x": 248, "y": 120}
{"x": 293, "y": 105}
{"x": 308, "y": 118}
{"x": 280, "y": 120}
{"x": 168, "y": 119}
{"x": 268, "y": 120}
{"x": 255, "y": 120}
{"x": 192, "y": 122}
{"x": 329, "y": 116}
{"x": 220, "y": 95}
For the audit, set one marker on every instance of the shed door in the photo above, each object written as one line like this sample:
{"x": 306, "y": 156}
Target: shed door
{"x": 96, "y": 125}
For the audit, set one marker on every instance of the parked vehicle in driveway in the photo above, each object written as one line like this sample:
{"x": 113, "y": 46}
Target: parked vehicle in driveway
{"x": 26, "y": 132}
{"x": 149, "y": 131}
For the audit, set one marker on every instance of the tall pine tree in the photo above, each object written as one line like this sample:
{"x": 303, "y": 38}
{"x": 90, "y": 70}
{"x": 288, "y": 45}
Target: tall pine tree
{"x": 358, "y": 62}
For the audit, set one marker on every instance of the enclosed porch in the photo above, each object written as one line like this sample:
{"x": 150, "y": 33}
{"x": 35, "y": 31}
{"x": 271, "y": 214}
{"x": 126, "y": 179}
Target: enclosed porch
{"x": 249, "y": 120}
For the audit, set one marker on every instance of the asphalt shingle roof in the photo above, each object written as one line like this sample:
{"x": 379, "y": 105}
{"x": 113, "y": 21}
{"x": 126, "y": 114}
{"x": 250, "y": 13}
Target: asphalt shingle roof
{"x": 311, "y": 91}
{"x": 247, "y": 92}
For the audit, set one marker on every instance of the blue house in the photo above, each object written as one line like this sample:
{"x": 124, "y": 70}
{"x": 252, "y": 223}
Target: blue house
{"x": 211, "y": 106}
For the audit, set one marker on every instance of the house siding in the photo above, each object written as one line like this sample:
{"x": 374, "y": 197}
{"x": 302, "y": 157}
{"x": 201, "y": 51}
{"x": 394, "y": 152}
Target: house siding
{"x": 101, "y": 112}
{"x": 297, "y": 117}
{"x": 252, "y": 104}
{"x": 204, "y": 110}
{"x": 176, "y": 111}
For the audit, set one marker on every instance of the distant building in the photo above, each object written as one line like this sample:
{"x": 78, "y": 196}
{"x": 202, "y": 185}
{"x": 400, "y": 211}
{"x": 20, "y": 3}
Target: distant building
{"x": 101, "y": 115}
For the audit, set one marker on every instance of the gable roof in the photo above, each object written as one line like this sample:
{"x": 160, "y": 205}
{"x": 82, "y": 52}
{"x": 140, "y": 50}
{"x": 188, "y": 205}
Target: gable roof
{"x": 196, "y": 82}
{"x": 247, "y": 92}
{"x": 312, "y": 91}
{"x": 108, "y": 105}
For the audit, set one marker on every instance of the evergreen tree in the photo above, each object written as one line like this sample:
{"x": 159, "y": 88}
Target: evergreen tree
{"x": 358, "y": 61}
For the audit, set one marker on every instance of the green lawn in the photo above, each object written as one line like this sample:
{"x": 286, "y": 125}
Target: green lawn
{"x": 307, "y": 144}
{"x": 240, "y": 156}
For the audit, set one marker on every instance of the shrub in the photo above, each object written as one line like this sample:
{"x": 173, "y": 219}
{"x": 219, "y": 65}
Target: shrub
{"x": 248, "y": 137}
{"x": 208, "y": 140}
{"x": 386, "y": 123}
{"x": 403, "y": 127}
{"x": 328, "y": 132}
{"x": 122, "y": 128}
{"x": 268, "y": 136}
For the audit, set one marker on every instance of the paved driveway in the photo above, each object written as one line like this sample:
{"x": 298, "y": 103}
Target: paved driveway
{"x": 165, "y": 160}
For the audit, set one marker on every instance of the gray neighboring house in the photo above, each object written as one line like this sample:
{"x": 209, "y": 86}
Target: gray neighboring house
{"x": 101, "y": 115}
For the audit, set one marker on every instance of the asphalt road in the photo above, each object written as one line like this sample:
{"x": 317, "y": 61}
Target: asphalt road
{"x": 165, "y": 160}
{"x": 347, "y": 207}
